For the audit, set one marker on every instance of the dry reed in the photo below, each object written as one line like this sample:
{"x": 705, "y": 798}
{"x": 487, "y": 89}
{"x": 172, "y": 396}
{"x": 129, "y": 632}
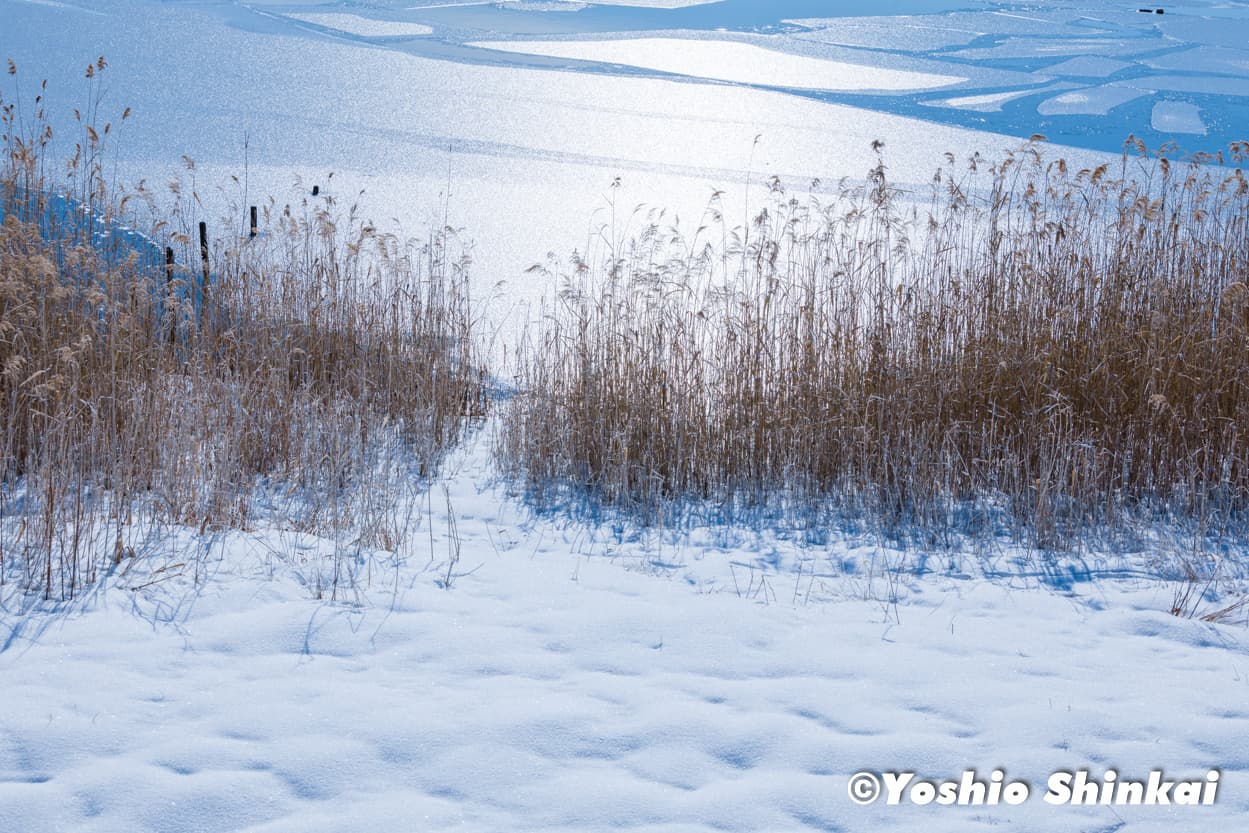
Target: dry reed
{"x": 324, "y": 360}
{"x": 1027, "y": 348}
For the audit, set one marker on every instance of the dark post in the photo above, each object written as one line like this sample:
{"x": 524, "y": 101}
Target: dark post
{"x": 316, "y": 189}
{"x": 253, "y": 231}
{"x": 203, "y": 247}
{"x": 169, "y": 298}
{"x": 203, "y": 255}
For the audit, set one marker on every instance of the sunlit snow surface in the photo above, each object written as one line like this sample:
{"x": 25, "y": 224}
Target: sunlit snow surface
{"x": 366, "y": 26}
{"x": 993, "y": 102}
{"x": 1094, "y": 101}
{"x": 582, "y": 681}
{"x": 1178, "y": 117}
{"x": 729, "y": 61}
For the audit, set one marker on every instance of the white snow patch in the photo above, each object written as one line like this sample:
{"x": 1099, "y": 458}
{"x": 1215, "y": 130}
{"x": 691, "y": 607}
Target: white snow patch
{"x": 992, "y": 102}
{"x": 985, "y": 23}
{"x": 1096, "y": 101}
{"x": 448, "y": 4}
{"x": 542, "y": 5}
{"x": 1178, "y": 117}
{"x": 1029, "y": 47}
{"x": 1217, "y": 59}
{"x": 653, "y": 4}
{"x": 732, "y": 61}
{"x": 913, "y": 34}
{"x": 1093, "y": 66}
{"x": 367, "y": 27}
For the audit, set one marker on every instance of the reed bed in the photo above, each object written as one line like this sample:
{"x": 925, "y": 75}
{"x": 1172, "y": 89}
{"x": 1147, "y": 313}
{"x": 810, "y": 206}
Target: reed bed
{"x": 1024, "y": 347}
{"x": 325, "y": 363}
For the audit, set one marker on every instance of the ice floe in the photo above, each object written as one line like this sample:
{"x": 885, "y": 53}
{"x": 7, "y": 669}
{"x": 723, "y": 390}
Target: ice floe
{"x": 1089, "y": 101}
{"x": 1177, "y": 117}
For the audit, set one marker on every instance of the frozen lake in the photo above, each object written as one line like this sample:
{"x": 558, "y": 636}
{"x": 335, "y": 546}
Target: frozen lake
{"x": 513, "y": 120}
{"x": 593, "y": 677}
{"x": 518, "y": 139}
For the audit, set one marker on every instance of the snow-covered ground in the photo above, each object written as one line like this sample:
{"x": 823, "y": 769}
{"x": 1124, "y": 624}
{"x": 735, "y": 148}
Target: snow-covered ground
{"x": 571, "y": 679}
{"x": 589, "y": 677}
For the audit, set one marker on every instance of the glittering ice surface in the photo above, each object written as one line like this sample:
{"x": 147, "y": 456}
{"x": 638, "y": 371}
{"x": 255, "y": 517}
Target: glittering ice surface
{"x": 365, "y": 26}
{"x": 731, "y": 61}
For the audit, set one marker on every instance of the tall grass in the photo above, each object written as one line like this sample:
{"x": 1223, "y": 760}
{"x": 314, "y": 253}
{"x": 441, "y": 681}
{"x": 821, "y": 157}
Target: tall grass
{"x": 323, "y": 355}
{"x": 1024, "y": 346}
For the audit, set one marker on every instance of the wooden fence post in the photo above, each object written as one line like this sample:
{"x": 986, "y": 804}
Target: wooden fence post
{"x": 203, "y": 254}
{"x": 170, "y": 301}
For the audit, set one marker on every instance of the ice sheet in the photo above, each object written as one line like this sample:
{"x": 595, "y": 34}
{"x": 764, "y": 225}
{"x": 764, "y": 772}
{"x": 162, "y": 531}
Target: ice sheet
{"x": 1051, "y": 47}
{"x": 992, "y": 102}
{"x": 1177, "y": 117}
{"x": 1212, "y": 85}
{"x": 998, "y": 46}
{"x": 364, "y": 26}
{"x": 988, "y": 21}
{"x": 912, "y": 34}
{"x": 1211, "y": 31}
{"x": 652, "y": 4}
{"x": 1204, "y": 59}
{"x": 1089, "y": 101}
{"x": 733, "y": 61}
{"x": 1088, "y": 66}
{"x": 542, "y": 5}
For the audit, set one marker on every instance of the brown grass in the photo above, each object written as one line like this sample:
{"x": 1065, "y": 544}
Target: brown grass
{"x": 1027, "y": 346}
{"x": 327, "y": 357}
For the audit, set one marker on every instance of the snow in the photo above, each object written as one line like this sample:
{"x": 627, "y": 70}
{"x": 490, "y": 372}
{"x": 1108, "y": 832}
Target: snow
{"x": 1090, "y": 66}
{"x": 1089, "y": 101}
{"x": 730, "y": 61}
{"x": 1177, "y": 117}
{"x": 365, "y": 26}
{"x": 992, "y": 102}
{"x": 573, "y": 680}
